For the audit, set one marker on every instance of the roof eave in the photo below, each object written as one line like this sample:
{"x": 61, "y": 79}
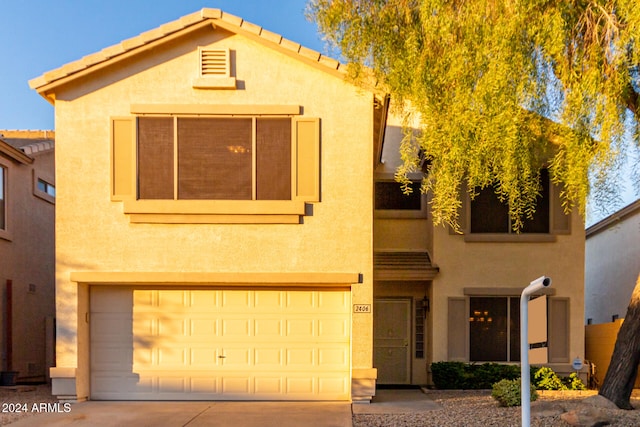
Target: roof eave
{"x": 14, "y": 153}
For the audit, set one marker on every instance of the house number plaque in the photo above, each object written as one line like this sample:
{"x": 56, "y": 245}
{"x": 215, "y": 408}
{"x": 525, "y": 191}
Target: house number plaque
{"x": 362, "y": 308}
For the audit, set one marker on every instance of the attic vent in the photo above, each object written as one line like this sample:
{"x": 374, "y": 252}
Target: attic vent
{"x": 214, "y": 70}
{"x": 214, "y": 62}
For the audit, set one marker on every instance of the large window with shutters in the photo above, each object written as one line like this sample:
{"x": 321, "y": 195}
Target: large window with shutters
{"x": 186, "y": 158}
{"x": 482, "y": 327}
{"x": 213, "y": 168}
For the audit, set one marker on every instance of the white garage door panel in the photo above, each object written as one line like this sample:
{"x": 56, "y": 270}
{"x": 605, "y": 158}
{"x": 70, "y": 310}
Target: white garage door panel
{"x": 220, "y": 344}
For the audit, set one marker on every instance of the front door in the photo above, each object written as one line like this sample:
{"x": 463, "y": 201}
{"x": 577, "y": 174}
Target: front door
{"x": 391, "y": 340}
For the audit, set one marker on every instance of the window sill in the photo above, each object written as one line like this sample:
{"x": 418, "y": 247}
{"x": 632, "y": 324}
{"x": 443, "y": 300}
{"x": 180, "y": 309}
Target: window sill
{"x": 509, "y": 238}
{"x": 214, "y": 211}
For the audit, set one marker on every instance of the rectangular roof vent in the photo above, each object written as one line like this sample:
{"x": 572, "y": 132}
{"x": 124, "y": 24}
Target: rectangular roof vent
{"x": 214, "y": 70}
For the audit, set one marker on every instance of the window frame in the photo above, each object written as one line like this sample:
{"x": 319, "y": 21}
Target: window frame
{"x": 305, "y": 171}
{"x": 559, "y": 223}
{"x": 401, "y": 213}
{"x": 44, "y": 194}
{"x": 509, "y": 345}
{"x": 253, "y": 144}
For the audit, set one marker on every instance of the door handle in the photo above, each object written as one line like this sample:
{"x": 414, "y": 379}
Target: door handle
{"x": 222, "y": 357}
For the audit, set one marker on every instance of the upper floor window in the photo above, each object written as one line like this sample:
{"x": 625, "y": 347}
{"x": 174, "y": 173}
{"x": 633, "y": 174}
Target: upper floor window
{"x": 490, "y": 215}
{"x": 3, "y": 203}
{"x": 46, "y": 187}
{"x": 391, "y": 202}
{"x": 215, "y": 158}
{"x": 215, "y": 164}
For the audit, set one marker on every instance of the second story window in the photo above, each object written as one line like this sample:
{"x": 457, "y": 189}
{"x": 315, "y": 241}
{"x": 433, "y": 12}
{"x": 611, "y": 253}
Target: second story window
{"x": 214, "y": 158}
{"x": 46, "y": 187}
{"x": 490, "y": 215}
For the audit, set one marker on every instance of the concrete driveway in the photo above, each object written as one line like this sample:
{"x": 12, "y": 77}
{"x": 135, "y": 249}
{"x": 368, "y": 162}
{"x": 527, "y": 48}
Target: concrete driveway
{"x": 196, "y": 414}
{"x": 228, "y": 414}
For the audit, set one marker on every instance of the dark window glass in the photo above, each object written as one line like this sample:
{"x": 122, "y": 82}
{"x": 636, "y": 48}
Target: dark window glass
{"x": 540, "y": 221}
{"x": 514, "y": 329}
{"x": 488, "y": 329}
{"x": 389, "y": 196}
{"x": 489, "y": 215}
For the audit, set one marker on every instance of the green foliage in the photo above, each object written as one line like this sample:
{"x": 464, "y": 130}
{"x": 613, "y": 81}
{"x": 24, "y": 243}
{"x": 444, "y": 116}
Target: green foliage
{"x": 546, "y": 379}
{"x": 507, "y": 392}
{"x": 449, "y": 375}
{"x": 479, "y": 80}
{"x": 573, "y": 382}
{"x": 458, "y": 375}
{"x": 472, "y": 376}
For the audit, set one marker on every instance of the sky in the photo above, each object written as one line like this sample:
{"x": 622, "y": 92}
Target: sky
{"x": 37, "y": 36}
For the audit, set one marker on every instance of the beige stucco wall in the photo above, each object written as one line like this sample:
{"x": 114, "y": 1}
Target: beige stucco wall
{"x": 27, "y": 258}
{"x": 612, "y": 266}
{"x": 477, "y": 264}
{"x": 509, "y": 265}
{"x": 93, "y": 234}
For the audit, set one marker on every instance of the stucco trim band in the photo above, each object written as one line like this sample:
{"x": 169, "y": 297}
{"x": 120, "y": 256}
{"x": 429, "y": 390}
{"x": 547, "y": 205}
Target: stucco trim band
{"x": 204, "y": 278}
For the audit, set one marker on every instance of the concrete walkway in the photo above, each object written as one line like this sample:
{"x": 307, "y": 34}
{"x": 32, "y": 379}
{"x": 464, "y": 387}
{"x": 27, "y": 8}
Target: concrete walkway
{"x": 228, "y": 414}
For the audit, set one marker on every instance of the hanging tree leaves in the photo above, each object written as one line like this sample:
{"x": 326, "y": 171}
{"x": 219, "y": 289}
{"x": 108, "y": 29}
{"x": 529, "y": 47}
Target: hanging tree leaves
{"x": 490, "y": 82}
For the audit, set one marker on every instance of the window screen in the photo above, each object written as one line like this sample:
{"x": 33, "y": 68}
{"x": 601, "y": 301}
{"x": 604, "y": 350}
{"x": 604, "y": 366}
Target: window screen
{"x": 214, "y": 158}
{"x": 155, "y": 157}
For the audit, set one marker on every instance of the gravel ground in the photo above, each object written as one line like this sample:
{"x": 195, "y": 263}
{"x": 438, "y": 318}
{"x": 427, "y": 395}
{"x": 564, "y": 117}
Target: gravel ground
{"x": 472, "y": 408}
{"x": 17, "y": 402}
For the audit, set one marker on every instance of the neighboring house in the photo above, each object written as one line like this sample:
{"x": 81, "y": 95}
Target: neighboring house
{"x": 27, "y": 253}
{"x": 218, "y": 235}
{"x": 612, "y": 264}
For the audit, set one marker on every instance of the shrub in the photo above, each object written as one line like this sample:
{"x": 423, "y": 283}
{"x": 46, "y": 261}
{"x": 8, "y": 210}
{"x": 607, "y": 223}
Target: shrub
{"x": 573, "y": 382}
{"x": 459, "y": 375}
{"x": 546, "y": 379}
{"x": 507, "y": 392}
{"x": 449, "y": 375}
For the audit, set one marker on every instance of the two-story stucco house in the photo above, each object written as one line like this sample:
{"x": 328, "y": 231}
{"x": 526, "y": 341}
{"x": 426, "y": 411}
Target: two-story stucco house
{"x": 227, "y": 229}
{"x": 27, "y": 281}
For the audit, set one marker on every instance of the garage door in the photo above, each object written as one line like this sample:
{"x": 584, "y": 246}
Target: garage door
{"x": 219, "y": 344}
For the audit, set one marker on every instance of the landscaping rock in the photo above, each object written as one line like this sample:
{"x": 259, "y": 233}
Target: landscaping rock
{"x": 600, "y": 402}
{"x": 586, "y": 416}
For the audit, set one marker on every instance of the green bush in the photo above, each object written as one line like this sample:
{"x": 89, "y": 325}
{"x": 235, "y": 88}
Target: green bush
{"x": 573, "y": 382}
{"x": 546, "y": 379}
{"x": 507, "y": 392}
{"x": 459, "y": 375}
{"x": 449, "y": 375}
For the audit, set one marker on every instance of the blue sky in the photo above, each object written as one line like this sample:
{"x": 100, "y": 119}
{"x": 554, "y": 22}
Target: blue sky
{"x": 37, "y": 36}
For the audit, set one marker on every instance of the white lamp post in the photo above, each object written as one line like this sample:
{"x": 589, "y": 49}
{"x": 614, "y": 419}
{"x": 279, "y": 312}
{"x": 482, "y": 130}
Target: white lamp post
{"x": 525, "y": 382}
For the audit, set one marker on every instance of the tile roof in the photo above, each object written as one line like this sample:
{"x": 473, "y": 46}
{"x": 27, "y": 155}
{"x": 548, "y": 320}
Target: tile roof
{"x": 29, "y": 141}
{"x": 196, "y": 20}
